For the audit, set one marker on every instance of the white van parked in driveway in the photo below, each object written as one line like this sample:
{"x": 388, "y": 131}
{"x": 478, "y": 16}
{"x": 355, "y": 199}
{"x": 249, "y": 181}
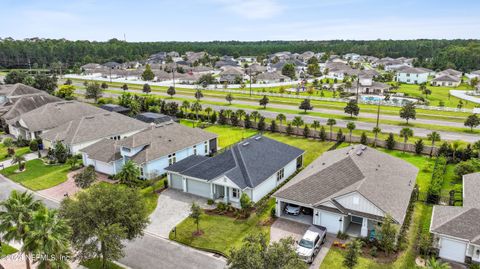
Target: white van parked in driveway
{"x": 311, "y": 242}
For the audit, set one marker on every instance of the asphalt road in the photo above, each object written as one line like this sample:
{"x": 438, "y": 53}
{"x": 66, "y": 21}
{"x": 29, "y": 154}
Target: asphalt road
{"x": 367, "y": 126}
{"x": 149, "y": 251}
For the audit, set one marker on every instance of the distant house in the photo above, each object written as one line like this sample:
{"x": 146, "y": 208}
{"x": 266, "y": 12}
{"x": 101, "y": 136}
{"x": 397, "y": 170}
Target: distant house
{"x": 223, "y": 63}
{"x": 92, "y": 68}
{"x": 11, "y": 93}
{"x": 474, "y": 74}
{"x": 254, "y": 166}
{"x": 304, "y": 57}
{"x": 115, "y": 108}
{"x": 113, "y": 65}
{"x": 31, "y": 124}
{"x": 338, "y": 70}
{"x": 450, "y": 72}
{"x": 152, "y": 149}
{"x": 456, "y": 229}
{"x": 367, "y": 85}
{"x": 271, "y": 77}
{"x": 85, "y": 131}
{"x": 156, "y": 118}
{"x": 255, "y": 69}
{"x": 446, "y": 80}
{"x": 350, "y": 190}
{"x": 411, "y": 75}
{"x": 230, "y": 74}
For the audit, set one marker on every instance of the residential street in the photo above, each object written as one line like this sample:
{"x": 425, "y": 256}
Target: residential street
{"x": 148, "y": 252}
{"x": 386, "y": 128}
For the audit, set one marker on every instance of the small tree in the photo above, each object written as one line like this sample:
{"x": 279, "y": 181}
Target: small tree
{"x": 281, "y": 118}
{"x": 340, "y": 136}
{"x": 350, "y": 258}
{"x": 433, "y": 137}
{"x": 129, "y": 174}
{"x": 195, "y": 213}
{"x": 198, "y": 95}
{"x": 85, "y": 178}
{"x": 352, "y": 108}
{"x": 331, "y": 123}
{"x": 322, "y": 134}
{"x": 419, "y": 146}
{"x": 34, "y": 145}
{"x": 229, "y": 98}
{"x": 351, "y": 126}
{"x": 148, "y": 74}
{"x": 125, "y": 87}
{"x": 245, "y": 202}
{"x": 72, "y": 161}
{"x": 264, "y": 101}
{"x": 306, "y": 131}
{"x": 146, "y": 88}
{"x": 364, "y": 138}
{"x": 171, "y": 91}
{"x": 93, "y": 91}
{"x": 289, "y": 129}
{"x": 388, "y": 235}
{"x": 273, "y": 126}
{"x": 261, "y": 124}
{"x": 60, "y": 153}
{"x": 305, "y": 105}
{"x": 406, "y": 133}
{"x": 297, "y": 121}
{"x": 20, "y": 160}
{"x": 390, "y": 141}
{"x": 196, "y": 107}
{"x": 315, "y": 125}
{"x": 66, "y": 92}
{"x": 408, "y": 111}
{"x": 472, "y": 121}
{"x": 104, "y": 85}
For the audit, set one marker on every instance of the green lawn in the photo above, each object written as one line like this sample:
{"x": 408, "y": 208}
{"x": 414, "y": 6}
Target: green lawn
{"x": 151, "y": 198}
{"x": 221, "y": 233}
{"x": 38, "y": 176}
{"x": 20, "y": 151}
{"x": 228, "y": 135}
{"x": 6, "y": 250}
{"x": 97, "y": 264}
{"x": 406, "y": 259}
{"x": 313, "y": 148}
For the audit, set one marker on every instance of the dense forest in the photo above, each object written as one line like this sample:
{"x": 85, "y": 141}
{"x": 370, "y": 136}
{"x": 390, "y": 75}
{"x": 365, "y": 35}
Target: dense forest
{"x": 436, "y": 54}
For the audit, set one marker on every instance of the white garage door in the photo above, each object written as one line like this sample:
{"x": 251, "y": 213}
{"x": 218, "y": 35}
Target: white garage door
{"x": 453, "y": 250}
{"x": 105, "y": 168}
{"x": 177, "y": 182}
{"x": 330, "y": 221}
{"x": 198, "y": 188}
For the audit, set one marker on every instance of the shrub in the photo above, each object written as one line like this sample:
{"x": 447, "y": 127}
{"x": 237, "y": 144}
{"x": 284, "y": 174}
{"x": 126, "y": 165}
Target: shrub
{"x": 436, "y": 182}
{"x": 273, "y": 213}
{"x": 342, "y": 236}
{"x": 210, "y": 202}
{"x": 390, "y": 141}
{"x": 33, "y": 145}
{"x": 221, "y": 206}
{"x": 165, "y": 184}
{"x": 7, "y": 142}
{"x": 419, "y": 146}
{"x": 374, "y": 251}
{"x": 22, "y": 143}
{"x": 363, "y": 139}
{"x": 10, "y": 152}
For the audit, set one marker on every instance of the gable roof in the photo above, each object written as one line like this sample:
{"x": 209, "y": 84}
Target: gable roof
{"x": 55, "y": 114}
{"x": 18, "y": 89}
{"x": 247, "y": 164}
{"x": 93, "y": 127}
{"x": 411, "y": 70}
{"x": 447, "y": 78}
{"x": 461, "y": 222}
{"x": 382, "y": 179}
{"x": 164, "y": 139}
{"x": 105, "y": 150}
{"x": 26, "y": 103}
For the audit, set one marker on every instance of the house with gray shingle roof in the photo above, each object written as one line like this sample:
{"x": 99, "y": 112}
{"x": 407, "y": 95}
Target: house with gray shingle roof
{"x": 350, "y": 190}
{"x": 446, "y": 80}
{"x": 87, "y": 130}
{"x": 456, "y": 229}
{"x": 152, "y": 149}
{"x": 411, "y": 75}
{"x": 254, "y": 166}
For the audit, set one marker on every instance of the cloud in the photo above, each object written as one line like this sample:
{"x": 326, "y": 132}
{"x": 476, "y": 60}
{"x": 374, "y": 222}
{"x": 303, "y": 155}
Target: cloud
{"x": 253, "y": 9}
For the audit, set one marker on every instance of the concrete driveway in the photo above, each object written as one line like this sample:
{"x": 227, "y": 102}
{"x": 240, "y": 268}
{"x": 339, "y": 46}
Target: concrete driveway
{"x": 173, "y": 207}
{"x": 283, "y": 228}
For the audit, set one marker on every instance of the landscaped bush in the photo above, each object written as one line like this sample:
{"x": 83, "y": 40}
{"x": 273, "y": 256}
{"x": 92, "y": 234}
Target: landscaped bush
{"x": 467, "y": 167}
{"x": 342, "y": 236}
{"x": 436, "y": 182}
{"x": 22, "y": 143}
{"x": 210, "y": 202}
{"x": 7, "y": 142}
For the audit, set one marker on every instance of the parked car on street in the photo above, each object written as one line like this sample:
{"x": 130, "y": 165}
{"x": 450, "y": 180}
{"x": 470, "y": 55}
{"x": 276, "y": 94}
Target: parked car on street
{"x": 311, "y": 242}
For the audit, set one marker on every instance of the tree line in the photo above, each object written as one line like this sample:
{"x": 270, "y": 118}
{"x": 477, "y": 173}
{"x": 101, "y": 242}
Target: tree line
{"x": 48, "y": 53}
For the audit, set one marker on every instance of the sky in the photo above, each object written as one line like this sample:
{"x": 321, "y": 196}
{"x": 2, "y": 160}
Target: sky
{"x": 244, "y": 20}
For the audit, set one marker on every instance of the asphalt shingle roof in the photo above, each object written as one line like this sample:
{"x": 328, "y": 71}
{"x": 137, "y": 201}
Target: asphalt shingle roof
{"x": 247, "y": 163}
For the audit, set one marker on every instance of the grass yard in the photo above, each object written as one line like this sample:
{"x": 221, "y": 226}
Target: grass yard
{"x": 151, "y": 198}
{"x": 38, "y": 176}
{"x": 6, "y": 250}
{"x": 313, "y": 148}
{"x": 20, "y": 151}
{"x": 406, "y": 260}
{"x": 97, "y": 264}
{"x": 228, "y": 135}
{"x": 221, "y": 233}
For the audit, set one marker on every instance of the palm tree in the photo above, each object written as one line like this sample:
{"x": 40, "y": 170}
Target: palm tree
{"x": 455, "y": 147}
{"x": 15, "y": 214}
{"x": 376, "y": 131}
{"x": 351, "y": 126}
{"x": 240, "y": 114}
{"x": 297, "y": 122}
{"x": 48, "y": 234}
{"x": 434, "y": 137}
{"x": 432, "y": 263}
{"x": 130, "y": 172}
{"x": 255, "y": 115}
{"x": 315, "y": 125}
{"x": 228, "y": 113}
{"x": 185, "y": 106}
{"x": 197, "y": 107}
{"x": 405, "y": 133}
{"x": 281, "y": 117}
{"x": 20, "y": 160}
{"x": 208, "y": 110}
{"x": 331, "y": 123}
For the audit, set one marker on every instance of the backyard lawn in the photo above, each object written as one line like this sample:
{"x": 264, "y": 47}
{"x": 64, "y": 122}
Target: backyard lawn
{"x": 406, "y": 260}
{"x": 38, "y": 176}
{"x": 228, "y": 135}
{"x": 6, "y": 250}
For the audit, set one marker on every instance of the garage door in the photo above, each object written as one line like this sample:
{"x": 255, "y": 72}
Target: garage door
{"x": 453, "y": 250}
{"x": 198, "y": 188}
{"x": 177, "y": 182}
{"x": 105, "y": 168}
{"x": 330, "y": 221}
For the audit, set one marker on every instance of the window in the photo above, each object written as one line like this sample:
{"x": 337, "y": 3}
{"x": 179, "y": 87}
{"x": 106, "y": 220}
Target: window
{"x": 195, "y": 150}
{"x": 235, "y": 193}
{"x": 280, "y": 174}
{"x": 206, "y": 147}
{"x": 172, "y": 159}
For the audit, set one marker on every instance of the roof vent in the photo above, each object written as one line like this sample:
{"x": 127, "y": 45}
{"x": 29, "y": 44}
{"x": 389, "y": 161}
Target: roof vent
{"x": 169, "y": 140}
{"x": 323, "y": 163}
{"x": 107, "y": 114}
{"x": 245, "y": 144}
{"x": 364, "y": 147}
{"x": 359, "y": 153}
{"x": 89, "y": 117}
